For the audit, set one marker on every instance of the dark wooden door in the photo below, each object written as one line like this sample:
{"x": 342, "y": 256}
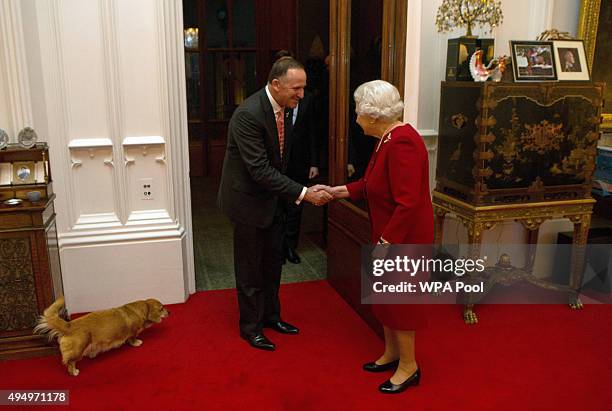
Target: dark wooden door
{"x": 367, "y": 41}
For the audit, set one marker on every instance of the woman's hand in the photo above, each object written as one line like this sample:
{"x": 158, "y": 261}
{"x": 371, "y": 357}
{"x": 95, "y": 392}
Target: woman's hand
{"x": 338, "y": 192}
{"x": 380, "y": 252}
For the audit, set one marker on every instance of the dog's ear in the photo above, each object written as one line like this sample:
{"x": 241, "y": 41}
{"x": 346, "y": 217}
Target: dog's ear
{"x": 141, "y": 307}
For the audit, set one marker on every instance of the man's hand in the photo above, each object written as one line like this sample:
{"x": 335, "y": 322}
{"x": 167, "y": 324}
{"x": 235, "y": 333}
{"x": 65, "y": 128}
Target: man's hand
{"x": 318, "y": 195}
{"x": 313, "y": 172}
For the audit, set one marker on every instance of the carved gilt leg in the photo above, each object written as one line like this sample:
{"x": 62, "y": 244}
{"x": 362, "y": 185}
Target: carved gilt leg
{"x": 440, "y": 214}
{"x": 469, "y": 316}
{"x": 474, "y": 240}
{"x": 581, "y": 233}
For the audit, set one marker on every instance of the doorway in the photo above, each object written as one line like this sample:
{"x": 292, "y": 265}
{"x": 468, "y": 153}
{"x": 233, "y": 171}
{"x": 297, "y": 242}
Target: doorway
{"x": 230, "y": 46}
{"x": 367, "y": 41}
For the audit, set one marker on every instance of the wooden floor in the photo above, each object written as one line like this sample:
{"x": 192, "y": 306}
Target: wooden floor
{"x": 213, "y": 249}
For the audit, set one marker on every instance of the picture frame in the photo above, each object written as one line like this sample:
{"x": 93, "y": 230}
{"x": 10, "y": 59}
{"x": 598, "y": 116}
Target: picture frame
{"x": 571, "y": 62}
{"x": 24, "y": 172}
{"x": 595, "y": 28}
{"x": 533, "y": 60}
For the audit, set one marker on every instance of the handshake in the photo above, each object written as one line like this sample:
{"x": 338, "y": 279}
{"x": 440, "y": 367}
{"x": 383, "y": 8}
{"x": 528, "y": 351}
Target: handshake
{"x": 321, "y": 194}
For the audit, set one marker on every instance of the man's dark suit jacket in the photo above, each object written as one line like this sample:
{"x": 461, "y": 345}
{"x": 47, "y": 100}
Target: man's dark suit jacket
{"x": 253, "y": 173}
{"x": 304, "y": 144}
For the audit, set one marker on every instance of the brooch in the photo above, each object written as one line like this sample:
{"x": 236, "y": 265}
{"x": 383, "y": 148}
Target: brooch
{"x": 383, "y": 141}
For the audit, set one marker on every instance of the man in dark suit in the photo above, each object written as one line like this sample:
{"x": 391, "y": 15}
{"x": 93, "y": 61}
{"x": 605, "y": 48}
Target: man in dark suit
{"x": 254, "y": 191}
{"x": 303, "y": 166}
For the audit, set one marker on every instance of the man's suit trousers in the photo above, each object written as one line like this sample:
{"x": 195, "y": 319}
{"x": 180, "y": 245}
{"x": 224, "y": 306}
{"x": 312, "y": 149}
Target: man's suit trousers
{"x": 257, "y": 265}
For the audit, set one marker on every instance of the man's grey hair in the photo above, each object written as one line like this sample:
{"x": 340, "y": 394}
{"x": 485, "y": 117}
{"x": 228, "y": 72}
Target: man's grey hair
{"x": 282, "y": 66}
{"x": 378, "y": 99}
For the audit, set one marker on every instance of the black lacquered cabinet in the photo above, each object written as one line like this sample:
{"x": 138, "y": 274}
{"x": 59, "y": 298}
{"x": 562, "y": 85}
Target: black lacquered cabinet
{"x": 502, "y": 143}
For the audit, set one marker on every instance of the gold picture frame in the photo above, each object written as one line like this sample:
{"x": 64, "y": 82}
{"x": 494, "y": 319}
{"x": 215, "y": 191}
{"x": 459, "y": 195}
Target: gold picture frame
{"x": 591, "y": 29}
{"x": 24, "y": 172}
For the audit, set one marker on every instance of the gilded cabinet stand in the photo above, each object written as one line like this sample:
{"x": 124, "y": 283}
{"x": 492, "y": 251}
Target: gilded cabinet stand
{"x": 518, "y": 152}
{"x": 477, "y": 219}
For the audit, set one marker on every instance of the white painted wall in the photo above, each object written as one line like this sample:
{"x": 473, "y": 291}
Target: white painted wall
{"x": 15, "y": 106}
{"x": 35, "y": 78}
{"x": 5, "y": 121}
{"x": 108, "y": 95}
{"x": 425, "y": 69}
{"x": 565, "y": 15}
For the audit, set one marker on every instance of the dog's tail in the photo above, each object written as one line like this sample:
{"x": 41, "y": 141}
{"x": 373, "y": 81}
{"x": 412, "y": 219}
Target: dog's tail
{"x": 51, "y": 323}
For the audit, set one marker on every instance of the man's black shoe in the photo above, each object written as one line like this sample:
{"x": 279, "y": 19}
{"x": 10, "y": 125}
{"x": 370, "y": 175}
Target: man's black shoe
{"x": 282, "y": 327}
{"x": 292, "y": 256}
{"x": 259, "y": 341}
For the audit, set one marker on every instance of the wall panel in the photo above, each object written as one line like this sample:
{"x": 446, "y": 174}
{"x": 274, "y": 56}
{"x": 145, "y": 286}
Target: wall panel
{"x": 93, "y": 179}
{"x": 83, "y": 68}
{"x": 138, "y": 61}
{"x": 146, "y": 165}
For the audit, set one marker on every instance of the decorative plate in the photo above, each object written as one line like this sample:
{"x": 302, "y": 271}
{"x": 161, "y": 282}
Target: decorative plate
{"x": 27, "y": 137}
{"x": 13, "y": 201}
{"x": 3, "y": 139}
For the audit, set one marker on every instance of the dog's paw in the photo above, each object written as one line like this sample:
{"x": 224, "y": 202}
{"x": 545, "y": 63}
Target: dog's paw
{"x": 72, "y": 369}
{"x": 135, "y": 342}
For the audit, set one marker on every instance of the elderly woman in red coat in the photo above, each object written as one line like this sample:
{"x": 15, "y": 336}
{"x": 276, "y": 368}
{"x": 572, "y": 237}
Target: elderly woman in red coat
{"x": 396, "y": 186}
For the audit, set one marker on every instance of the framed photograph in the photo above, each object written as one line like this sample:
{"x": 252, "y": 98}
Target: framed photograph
{"x": 533, "y": 61}
{"x": 24, "y": 172}
{"x": 571, "y": 60}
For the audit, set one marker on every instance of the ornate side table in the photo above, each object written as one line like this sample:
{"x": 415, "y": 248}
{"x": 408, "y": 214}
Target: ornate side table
{"x": 477, "y": 219}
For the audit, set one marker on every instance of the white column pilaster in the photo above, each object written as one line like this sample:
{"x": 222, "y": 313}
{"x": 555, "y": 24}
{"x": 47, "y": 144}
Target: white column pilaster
{"x": 13, "y": 70}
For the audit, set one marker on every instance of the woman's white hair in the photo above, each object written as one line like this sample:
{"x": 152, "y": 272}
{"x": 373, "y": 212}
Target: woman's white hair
{"x": 378, "y": 99}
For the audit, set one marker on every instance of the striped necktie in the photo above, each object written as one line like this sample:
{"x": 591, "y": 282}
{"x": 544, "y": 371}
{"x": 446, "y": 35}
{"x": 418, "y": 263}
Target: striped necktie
{"x": 280, "y": 127}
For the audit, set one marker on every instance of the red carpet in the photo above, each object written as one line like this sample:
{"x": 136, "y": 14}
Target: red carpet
{"x": 518, "y": 357}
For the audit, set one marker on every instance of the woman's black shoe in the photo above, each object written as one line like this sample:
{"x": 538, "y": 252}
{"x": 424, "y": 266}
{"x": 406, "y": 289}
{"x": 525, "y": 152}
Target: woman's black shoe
{"x": 388, "y": 387}
{"x": 373, "y": 367}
